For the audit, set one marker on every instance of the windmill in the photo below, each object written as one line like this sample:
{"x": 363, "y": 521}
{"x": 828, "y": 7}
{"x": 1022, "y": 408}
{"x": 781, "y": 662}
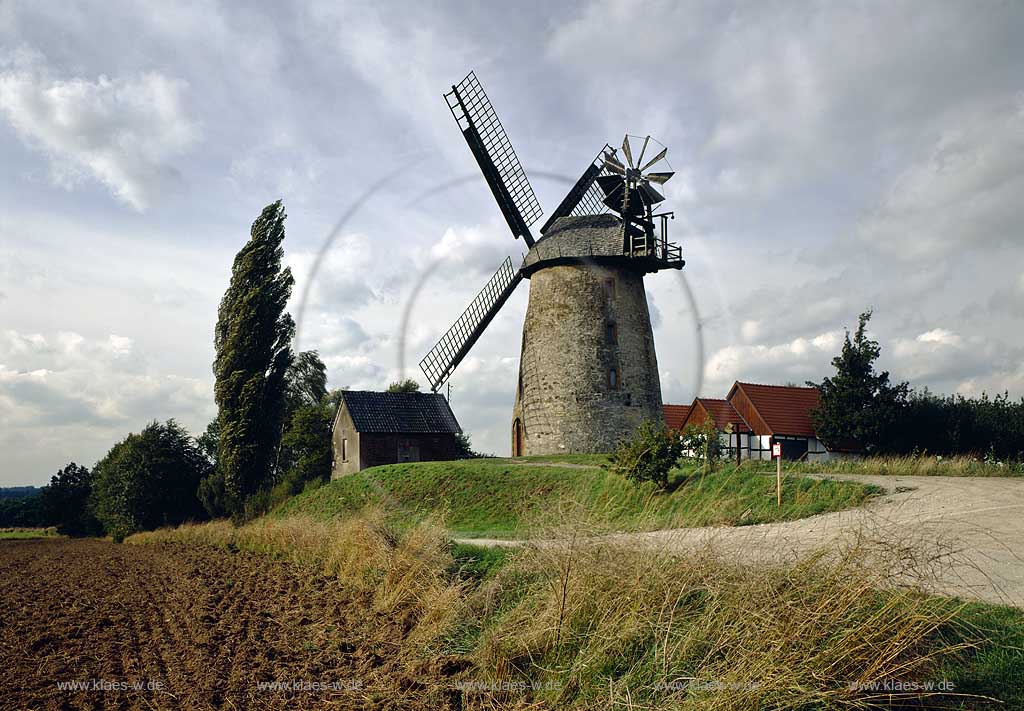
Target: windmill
{"x": 588, "y": 373}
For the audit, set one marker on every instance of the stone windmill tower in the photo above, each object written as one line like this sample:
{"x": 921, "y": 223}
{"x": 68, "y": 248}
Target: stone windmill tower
{"x": 588, "y": 373}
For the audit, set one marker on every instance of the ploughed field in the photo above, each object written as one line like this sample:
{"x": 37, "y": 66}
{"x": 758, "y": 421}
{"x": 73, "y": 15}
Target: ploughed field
{"x": 201, "y": 628}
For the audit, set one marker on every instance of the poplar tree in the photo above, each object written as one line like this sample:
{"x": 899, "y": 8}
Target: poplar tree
{"x": 252, "y": 341}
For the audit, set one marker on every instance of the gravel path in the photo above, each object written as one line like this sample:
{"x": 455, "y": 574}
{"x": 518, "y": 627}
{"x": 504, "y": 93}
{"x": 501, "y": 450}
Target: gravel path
{"x": 975, "y": 524}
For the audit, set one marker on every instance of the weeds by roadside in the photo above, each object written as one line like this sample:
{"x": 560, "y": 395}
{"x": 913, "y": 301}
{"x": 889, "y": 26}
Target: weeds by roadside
{"x": 919, "y": 465}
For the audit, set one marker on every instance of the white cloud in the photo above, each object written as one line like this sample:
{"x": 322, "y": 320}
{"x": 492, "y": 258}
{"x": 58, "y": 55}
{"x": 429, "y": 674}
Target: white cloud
{"x": 341, "y": 277}
{"x": 797, "y": 360}
{"x": 474, "y": 251}
{"x": 750, "y": 330}
{"x": 947, "y": 361}
{"x": 940, "y": 335}
{"x": 123, "y": 131}
{"x": 92, "y": 391}
{"x": 964, "y": 194}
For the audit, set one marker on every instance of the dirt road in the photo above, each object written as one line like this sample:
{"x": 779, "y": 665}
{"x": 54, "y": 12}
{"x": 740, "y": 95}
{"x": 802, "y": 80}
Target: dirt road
{"x": 185, "y": 628}
{"x": 975, "y": 524}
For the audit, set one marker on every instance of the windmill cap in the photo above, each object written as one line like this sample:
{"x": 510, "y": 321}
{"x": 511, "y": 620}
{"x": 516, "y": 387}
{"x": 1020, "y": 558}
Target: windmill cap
{"x": 583, "y": 239}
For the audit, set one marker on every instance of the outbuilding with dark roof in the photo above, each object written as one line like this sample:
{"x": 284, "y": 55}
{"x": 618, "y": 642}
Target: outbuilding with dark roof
{"x": 374, "y": 428}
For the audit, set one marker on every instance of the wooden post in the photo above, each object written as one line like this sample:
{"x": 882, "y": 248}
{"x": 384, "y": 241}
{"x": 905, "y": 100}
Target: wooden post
{"x": 778, "y": 481}
{"x": 777, "y": 453}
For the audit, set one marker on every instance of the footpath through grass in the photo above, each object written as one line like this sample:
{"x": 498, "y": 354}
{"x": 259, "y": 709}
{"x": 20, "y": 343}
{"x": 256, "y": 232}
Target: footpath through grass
{"x": 509, "y": 498}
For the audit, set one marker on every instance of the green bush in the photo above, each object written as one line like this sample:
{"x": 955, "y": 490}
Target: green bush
{"x": 649, "y": 455}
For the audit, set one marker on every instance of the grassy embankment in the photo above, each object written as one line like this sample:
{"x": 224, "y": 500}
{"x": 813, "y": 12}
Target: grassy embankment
{"x": 503, "y": 498}
{"x": 598, "y": 626}
{"x": 23, "y": 533}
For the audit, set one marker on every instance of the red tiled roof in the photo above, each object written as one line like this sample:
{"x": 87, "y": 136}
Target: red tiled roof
{"x": 785, "y": 409}
{"x": 675, "y": 414}
{"x": 723, "y": 413}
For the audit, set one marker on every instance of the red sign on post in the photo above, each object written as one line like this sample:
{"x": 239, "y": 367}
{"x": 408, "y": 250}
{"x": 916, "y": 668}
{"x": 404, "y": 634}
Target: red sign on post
{"x": 776, "y": 450}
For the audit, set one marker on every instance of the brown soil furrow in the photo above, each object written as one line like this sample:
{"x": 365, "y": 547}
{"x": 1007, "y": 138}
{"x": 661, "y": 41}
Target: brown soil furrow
{"x": 209, "y": 625}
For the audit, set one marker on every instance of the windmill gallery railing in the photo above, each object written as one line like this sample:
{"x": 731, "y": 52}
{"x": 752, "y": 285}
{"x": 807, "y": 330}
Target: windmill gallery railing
{"x": 655, "y": 245}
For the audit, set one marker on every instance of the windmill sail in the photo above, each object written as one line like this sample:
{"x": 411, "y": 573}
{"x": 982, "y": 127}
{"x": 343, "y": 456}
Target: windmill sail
{"x": 585, "y": 197}
{"x": 446, "y": 355}
{"x": 494, "y": 154}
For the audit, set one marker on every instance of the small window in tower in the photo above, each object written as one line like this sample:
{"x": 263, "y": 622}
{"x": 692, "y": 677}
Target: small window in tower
{"x": 611, "y": 333}
{"x": 613, "y": 378}
{"x": 609, "y": 289}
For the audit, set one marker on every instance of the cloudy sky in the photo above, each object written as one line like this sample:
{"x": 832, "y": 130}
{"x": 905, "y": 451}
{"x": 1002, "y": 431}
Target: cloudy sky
{"x": 829, "y": 157}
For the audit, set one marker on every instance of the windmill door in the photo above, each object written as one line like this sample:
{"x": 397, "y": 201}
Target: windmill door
{"x": 517, "y": 438}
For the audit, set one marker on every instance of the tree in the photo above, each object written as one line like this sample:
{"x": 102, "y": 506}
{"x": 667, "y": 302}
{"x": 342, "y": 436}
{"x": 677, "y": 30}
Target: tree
{"x": 23, "y": 511}
{"x": 65, "y": 502}
{"x": 404, "y": 386}
{"x": 649, "y": 455}
{"x": 211, "y": 493}
{"x": 464, "y": 447}
{"x": 252, "y": 341}
{"x": 306, "y": 444}
{"x": 207, "y": 441}
{"x": 702, "y": 439}
{"x": 306, "y": 381}
{"x": 148, "y": 480}
{"x": 858, "y": 402}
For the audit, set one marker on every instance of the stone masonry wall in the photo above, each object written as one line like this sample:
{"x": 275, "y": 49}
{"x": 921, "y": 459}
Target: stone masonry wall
{"x": 564, "y": 399}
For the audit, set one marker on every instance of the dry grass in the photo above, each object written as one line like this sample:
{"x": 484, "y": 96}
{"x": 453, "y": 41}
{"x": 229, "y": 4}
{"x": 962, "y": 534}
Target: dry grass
{"x": 613, "y": 627}
{"x": 603, "y": 626}
{"x": 398, "y": 574}
{"x": 920, "y": 465}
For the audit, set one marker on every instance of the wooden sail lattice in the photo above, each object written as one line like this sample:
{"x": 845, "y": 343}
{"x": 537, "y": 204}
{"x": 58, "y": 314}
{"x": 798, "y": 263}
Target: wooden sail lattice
{"x": 453, "y": 346}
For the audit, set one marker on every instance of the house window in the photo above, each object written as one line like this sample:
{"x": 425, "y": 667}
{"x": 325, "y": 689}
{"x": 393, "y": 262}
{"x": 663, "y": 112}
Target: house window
{"x": 613, "y": 379}
{"x": 344, "y": 450}
{"x": 609, "y": 289}
{"x": 611, "y": 333}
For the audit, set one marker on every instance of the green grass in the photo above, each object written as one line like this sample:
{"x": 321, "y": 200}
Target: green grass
{"x": 594, "y": 460}
{"x": 476, "y": 563}
{"x": 996, "y": 665}
{"x": 25, "y": 533}
{"x": 505, "y": 498}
